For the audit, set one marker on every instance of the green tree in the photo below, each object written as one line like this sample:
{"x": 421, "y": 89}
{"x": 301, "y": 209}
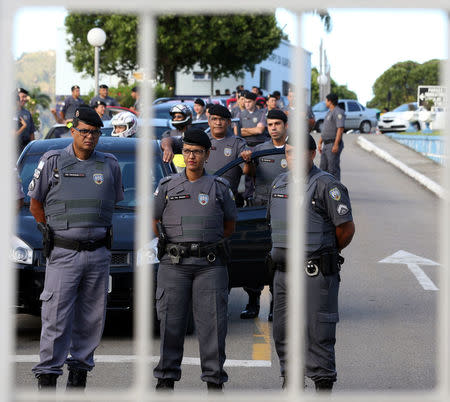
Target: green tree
{"x": 37, "y": 102}
{"x": 399, "y": 83}
{"x": 222, "y": 45}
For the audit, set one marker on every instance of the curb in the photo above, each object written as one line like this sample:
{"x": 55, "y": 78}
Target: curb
{"x": 419, "y": 177}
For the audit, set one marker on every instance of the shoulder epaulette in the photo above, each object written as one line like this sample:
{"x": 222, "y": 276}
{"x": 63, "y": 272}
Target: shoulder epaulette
{"x": 165, "y": 179}
{"x": 225, "y": 182}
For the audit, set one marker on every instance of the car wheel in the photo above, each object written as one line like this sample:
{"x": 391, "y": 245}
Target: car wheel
{"x": 365, "y": 127}
{"x": 319, "y": 126}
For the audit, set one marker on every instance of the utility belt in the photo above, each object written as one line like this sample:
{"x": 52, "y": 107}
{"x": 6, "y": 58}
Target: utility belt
{"x": 327, "y": 264}
{"x": 49, "y": 241}
{"x": 329, "y": 141}
{"x": 178, "y": 251}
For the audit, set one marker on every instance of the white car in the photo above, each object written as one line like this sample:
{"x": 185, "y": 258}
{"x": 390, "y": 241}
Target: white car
{"x": 400, "y": 118}
{"x": 357, "y": 117}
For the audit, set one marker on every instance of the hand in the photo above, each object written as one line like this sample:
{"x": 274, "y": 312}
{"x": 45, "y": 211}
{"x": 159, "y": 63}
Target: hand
{"x": 319, "y": 147}
{"x": 335, "y": 149}
{"x": 247, "y": 156}
{"x": 23, "y": 122}
{"x": 168, "y": 154}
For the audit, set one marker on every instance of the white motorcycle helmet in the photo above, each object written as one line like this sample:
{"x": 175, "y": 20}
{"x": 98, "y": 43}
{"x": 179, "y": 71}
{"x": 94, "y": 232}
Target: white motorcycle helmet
{"x": 124, "y": 125}
{"x": 183, "y": 109}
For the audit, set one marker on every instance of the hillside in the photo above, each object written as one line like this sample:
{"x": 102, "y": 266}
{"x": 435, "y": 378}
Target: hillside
{"x": 37, "y": 69}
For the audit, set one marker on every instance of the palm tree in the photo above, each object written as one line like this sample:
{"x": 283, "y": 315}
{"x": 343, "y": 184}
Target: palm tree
{"x": 40, "y": 99}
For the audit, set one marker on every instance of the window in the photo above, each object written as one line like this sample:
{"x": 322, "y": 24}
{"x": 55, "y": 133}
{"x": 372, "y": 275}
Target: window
{"x": 353, "y": 107}
{"x": 201, "y": 75}
{"x": 264, "y": 79}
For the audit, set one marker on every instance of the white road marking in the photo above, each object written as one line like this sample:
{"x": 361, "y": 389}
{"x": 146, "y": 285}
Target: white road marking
{"x": 413, "y": 261}
{"x": 189, "y": 361}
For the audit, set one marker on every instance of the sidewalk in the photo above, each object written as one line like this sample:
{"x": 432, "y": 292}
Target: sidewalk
{"x": 419, "y": 167}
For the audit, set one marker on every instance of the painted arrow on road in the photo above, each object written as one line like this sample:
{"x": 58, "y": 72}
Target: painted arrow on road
{"x": 413, "y": 262}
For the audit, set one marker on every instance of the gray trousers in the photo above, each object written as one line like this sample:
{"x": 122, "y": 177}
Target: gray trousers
{"x": 321, "y": 318}
{"x": 205, "y": 288}
{"x": 73, "y": 309}
{"x": 330, "y": 162}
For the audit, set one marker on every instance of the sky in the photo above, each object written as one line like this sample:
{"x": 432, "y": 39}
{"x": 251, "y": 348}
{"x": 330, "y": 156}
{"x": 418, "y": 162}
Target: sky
{"x": 361, "y": 46}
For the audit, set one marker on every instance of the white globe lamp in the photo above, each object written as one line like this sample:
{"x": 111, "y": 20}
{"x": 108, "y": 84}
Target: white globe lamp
{"x": 96, "y": 37}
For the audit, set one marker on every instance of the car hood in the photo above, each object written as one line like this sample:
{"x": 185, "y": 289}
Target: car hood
{"x": 402, "y": 115}
{"x": 123, "y": 228}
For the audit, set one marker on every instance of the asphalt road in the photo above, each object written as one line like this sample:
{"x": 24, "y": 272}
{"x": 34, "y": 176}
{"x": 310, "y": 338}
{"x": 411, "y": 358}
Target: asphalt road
{"x": 386, "y": 336}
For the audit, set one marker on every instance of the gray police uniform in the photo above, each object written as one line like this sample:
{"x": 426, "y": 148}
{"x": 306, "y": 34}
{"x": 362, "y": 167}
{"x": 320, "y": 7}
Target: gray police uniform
{"x": 108, "y": 101}
{"x": 196, "y": 117}
{"x": 70, "y": 105}
{"x": 193, "y": 212}
{"x": 250, "y": 120}
{"x": 267, "y": 169}
{"x": 78, "y": 198}
{"x": 328, "y": 206}
{"x": 25, "y": 136}
{"x": 330, "y": 162}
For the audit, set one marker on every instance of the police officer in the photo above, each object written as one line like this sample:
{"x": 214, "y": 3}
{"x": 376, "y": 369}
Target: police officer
{"x": 71, "y": 104}
{"x": 25, "y": 124}
{"x": 252, "y": 121}
{"x": 73, "y": 192}
{"x": 264, "y": 170}
{"x": 329, "y": 228}
{"x": 100, "y": 107}
{"x": 103, "y": 96}
{"x": 330, "y": 142}
{"x": 199, "y": 109}
{"x": 137, "y": 102}
{"x": 194, "y": 212}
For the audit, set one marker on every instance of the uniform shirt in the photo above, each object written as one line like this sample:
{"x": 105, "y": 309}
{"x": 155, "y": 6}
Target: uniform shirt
{"x": 44, "y": 179}
{"x": 202, "y": 116}
{"x": 267, "y": 169}
{"x": 172, "y": 133}
{"x": 109, "y": 101}
{"x": 194, "y": 211}
{"x": 25, "y": 135}
{"x": 330, "y": 199}
{"x": 69, "y": 106}
{"x": 333, "y": 120}
{"x": 250, "y": 120}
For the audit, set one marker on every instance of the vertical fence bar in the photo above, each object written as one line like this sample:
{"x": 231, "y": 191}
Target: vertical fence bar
{"x": 295, "y": 232}
{"x": 143, "y": 271}
{"x": 7, "y": 203}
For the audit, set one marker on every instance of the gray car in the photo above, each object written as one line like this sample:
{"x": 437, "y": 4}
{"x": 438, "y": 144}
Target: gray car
{"x": 357, "y": 117}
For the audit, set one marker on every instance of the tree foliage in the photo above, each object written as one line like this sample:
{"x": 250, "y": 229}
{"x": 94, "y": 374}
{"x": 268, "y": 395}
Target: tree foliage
{"x": 399, "y": 83}
{"x": 340, "y": 90}
{"x": 225, "y": 45}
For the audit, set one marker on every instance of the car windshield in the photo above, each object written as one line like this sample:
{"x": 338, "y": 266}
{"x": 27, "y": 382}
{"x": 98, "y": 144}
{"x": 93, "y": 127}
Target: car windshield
{"x": 319, "y": 107}
{"x": 406, "y": 107}
{"x": 127, "y": 162}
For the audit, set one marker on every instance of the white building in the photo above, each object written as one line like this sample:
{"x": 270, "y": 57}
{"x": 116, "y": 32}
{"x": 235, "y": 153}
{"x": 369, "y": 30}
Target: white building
{"x": 272, "y": 74}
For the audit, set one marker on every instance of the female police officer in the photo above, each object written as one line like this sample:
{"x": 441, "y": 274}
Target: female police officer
{"x": 194, "y": 212}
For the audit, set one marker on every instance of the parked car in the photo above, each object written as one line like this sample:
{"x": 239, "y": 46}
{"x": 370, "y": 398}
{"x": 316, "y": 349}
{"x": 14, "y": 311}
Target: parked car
{"x": 400, "y": 118}
{"x": 357, "y": 117}
{"x": 249, "y": 244}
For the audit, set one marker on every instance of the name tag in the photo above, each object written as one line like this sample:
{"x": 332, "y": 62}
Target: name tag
{"x": 74, "y": 175}
{"x": 267, "y": 160}
{"x": 179, "y": 197}
{"x": 280, "y": 196}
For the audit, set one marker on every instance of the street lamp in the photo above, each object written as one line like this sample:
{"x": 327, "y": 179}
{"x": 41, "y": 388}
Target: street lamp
{"x": 96, "y": 37}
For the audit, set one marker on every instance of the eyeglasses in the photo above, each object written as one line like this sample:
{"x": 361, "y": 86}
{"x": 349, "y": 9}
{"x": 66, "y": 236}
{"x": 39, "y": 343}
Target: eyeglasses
{"x": 195, "y": 152}
{"x": 84, "y": 133}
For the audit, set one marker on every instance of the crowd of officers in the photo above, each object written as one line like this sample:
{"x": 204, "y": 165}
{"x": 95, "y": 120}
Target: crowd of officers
{"x": 72, "y": 194}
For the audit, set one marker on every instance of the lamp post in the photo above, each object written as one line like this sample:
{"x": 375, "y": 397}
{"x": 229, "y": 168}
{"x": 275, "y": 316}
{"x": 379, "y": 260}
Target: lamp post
{"x": 96, "y": 37}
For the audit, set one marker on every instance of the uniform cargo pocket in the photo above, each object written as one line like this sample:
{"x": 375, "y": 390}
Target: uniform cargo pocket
{"x": 45, "y": 295}
{"x": 326, "y": 328}
{"x": 161, "y": 303}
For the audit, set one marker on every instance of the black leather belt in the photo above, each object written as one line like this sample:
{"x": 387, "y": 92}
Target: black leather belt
{"x": 79, "y": 245}
{"x": 328, "y": 141}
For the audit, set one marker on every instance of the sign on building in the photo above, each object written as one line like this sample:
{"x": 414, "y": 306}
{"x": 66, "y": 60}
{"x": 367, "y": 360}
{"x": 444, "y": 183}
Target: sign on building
{"x": 434, "y": 93}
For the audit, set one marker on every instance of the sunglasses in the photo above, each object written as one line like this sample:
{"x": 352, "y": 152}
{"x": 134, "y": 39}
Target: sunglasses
{"x": 84, "y": 132}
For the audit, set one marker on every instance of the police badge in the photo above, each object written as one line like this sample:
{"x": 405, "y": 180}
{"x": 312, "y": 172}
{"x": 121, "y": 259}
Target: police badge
{"x": 203, "y": 198}
{"x": 255, "y": 119}
{"x": 98, "y": 178}
{"x": 283, "y": 163}
{"x": 335, "y": 194}
{"x": 227, "y": 151}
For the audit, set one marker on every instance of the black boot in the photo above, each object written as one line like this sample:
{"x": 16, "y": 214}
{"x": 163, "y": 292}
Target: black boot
{"x": 77, "y": 378}
{"x": 47, "y": 381}
{"x": 284, "y": 384}
{"x": 252, "y": 308}
{"x": 324, "y": 385}
{"x": 213, "y": 387}
{"x": 165, "y": 384}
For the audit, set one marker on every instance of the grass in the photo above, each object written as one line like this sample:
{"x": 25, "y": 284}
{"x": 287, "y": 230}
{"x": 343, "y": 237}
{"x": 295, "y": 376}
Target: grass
{"x": 437, "y": 132}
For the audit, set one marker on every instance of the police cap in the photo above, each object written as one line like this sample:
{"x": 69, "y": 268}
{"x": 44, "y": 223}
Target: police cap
{"x": 277, "y": 114}
{"x": 195, "y": 136}
{"x": 98, "y": 103}
{"x": 74, "y": 87}
{"x": 200, "y": 102}
{"x": 219, "y": 110}
{"x": 22, "y": 91}
{"x": 208, "y": 106}
{"x": 311, "y": 143}
{"x": 104, "y": 86}
{"x": 87, "y": 115}
{"x": 250, "y": 95}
